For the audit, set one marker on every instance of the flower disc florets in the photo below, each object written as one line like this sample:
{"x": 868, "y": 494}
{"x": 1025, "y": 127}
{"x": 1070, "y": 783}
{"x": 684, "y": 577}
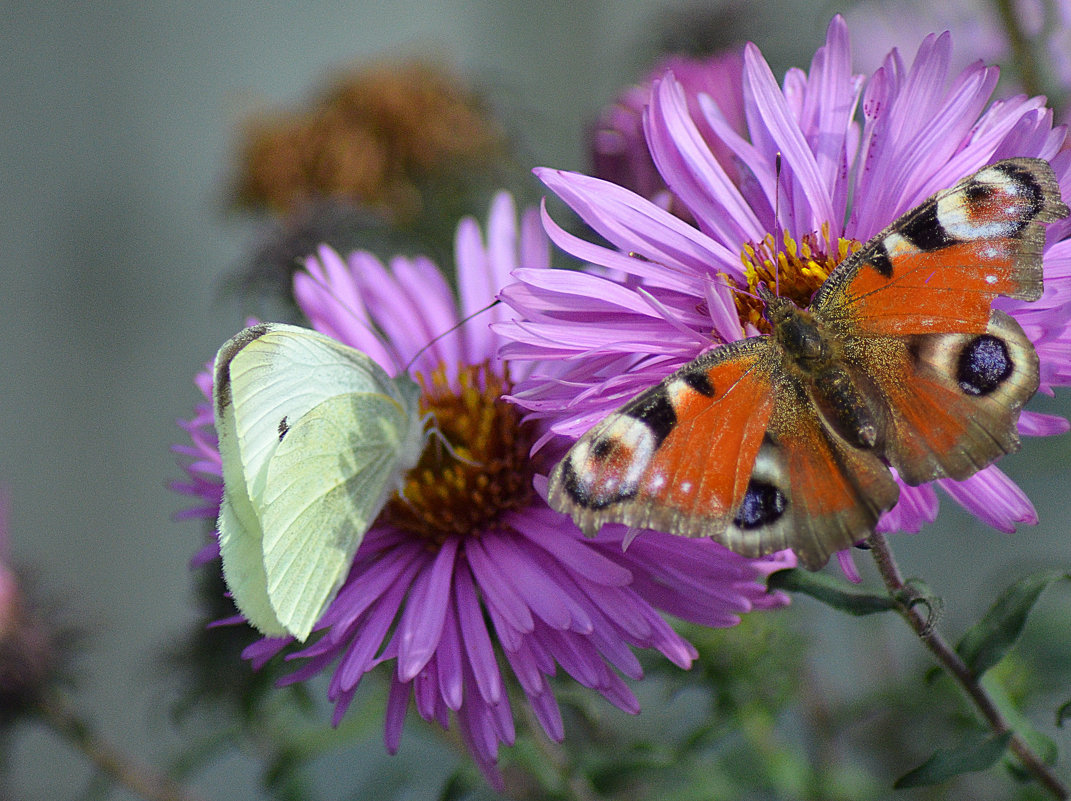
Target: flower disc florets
{"x": 794, "y": 270}
{"x": 486, "y": 469}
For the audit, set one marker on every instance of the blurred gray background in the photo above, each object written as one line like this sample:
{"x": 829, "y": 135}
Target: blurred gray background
{"x": 117, "y": 129}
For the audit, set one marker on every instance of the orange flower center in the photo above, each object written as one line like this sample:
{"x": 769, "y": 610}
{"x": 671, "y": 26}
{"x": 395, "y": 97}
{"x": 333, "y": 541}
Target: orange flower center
{"x": 486, "y": 470}
{"x": 795, "y": 270}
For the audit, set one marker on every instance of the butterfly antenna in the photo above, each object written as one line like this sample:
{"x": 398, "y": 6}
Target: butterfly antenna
{"x": 777, "y": 224}
{"x": 449, "y": 331}
{"x": 435, "y": 432}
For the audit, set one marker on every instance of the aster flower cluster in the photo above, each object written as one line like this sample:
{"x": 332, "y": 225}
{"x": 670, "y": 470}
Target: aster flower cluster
{"x": 371, "y": 138}
{"x": 469, "y": 593}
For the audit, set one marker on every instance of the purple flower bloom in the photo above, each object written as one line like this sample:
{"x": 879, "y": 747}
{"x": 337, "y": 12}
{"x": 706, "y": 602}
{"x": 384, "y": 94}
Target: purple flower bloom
{"x": 658, "y": 296}
{"x": 618, "y": 147}
{"x": 470, "y": 572}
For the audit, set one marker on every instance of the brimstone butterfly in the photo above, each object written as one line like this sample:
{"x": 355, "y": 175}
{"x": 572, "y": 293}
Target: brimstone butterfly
{"x": 313, "y": 436}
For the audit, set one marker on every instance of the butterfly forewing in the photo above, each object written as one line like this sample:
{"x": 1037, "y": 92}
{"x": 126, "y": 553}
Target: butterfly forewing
{"x": 277, "y": 375}
{"x": 938, "y": 268}
{"x": 286, "y": 550}
{"x": 678, "y": 457}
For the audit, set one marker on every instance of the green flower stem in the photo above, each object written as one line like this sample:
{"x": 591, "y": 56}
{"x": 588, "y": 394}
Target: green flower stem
{"x": 947, "y": 657}
{"x": 1021, "y": 47}
{"x": 139, "y": 779}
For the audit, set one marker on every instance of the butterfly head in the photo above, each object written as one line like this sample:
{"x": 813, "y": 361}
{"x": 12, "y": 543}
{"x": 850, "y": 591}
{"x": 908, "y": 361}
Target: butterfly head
{"x": 795, "y": 329}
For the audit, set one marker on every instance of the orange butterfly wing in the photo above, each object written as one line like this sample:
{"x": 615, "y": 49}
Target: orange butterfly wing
{"x": 830, "y": 493}
{"x": 728, "y": 447}
{"x": 951, "y": 401}
{"x": 677, "y": 457}
{"x": 912, "y": 310}
{"x": 938, "y": 268}
{"x": 754, "y": 444}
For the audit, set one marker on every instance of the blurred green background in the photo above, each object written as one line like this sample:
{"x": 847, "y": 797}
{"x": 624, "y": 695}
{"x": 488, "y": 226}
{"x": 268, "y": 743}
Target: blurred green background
{"x": 118, "y": 127}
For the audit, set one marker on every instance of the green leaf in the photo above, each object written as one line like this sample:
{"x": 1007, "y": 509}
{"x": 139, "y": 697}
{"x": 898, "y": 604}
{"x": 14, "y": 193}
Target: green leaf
{"x": 977, "y": 752}
{"x": 994, "y": 685}
{"x": 830, "y": 591}
{"x": 992, "y": 637}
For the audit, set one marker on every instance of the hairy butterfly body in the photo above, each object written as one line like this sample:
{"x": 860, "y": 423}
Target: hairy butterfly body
{"x": 313, "y": 437}
{"x": 786, "y": 440}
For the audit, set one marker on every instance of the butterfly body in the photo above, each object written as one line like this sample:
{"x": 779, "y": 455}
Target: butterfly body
{"x": 313, "y": 437}
{"x": 899, "y": 361}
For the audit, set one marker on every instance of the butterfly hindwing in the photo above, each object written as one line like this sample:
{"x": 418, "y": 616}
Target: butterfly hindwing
{"x": 952, "y": 400}
{"x": 809, "y": 490}
{"x": 325, "y": 486}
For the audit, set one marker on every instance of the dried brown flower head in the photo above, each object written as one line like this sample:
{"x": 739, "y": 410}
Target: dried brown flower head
{"x": 372, "y": 138}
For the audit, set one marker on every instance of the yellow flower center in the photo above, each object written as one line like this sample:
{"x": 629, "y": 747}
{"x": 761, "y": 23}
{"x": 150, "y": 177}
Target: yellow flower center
{"x": 795, "y": 270}
{"x": 487, "y": 469}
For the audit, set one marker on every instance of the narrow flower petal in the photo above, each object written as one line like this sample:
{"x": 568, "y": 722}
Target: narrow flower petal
{"x": 478, "y": 648}
{"x": 422, "y": 622}
{"x": 993, "y": 498}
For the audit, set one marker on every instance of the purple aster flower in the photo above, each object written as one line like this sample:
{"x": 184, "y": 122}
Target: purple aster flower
{"x": 618, "y": 147}
{"x": 658, "y": 296}
{"x": 468, "y": 576}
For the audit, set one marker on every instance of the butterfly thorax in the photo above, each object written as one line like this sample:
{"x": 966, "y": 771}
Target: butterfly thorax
{"x": 812, "y": 363}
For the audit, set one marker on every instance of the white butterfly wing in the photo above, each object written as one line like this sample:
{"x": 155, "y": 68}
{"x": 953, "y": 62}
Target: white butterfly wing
{"x": 326, "y": 483}
{"x": 268, "y": 378}
{"x": 240, "y": 533}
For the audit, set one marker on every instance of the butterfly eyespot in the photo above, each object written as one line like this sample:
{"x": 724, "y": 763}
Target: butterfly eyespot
{"x": 984, "y": 364}
{"x": 763, "y": 505}
{"x": 603, "y": 448}
{"x": 590, "y": 495}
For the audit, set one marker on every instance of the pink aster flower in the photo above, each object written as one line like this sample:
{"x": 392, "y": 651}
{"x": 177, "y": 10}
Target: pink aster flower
{"x": 471, "y": 577}
{"x": 855, "y": 154}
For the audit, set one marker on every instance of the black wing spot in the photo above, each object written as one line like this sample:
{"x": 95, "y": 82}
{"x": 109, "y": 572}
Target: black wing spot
{"x": 655, "y": 410}
{"x": 283, "y": 428}
{"x": 699, "y": 381}
{"x": 1030, "y": 189}
{"x": 880, "y": 261}
{"x": 984, "y": 364}
{"x": 602, "y": 448}
{"x": 924, "y": 230}
{"x": 763, "y": 505}
{"x": 978, "y": 194}
{"x": 230, "y": 349}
